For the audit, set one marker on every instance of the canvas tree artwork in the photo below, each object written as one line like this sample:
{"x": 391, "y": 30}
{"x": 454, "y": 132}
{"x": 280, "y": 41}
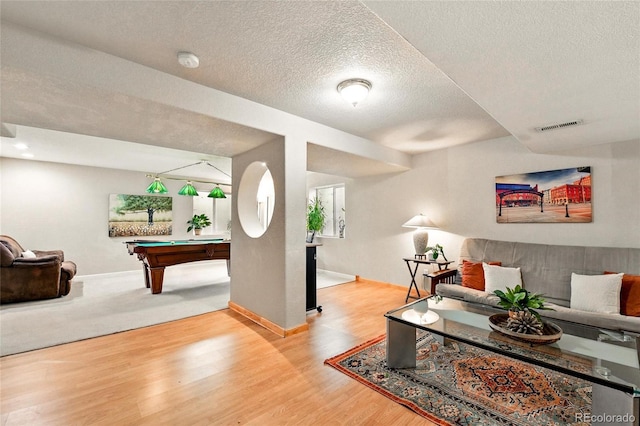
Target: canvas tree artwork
{"x": 136, "y": 215}
{"x": 560, "y": 196}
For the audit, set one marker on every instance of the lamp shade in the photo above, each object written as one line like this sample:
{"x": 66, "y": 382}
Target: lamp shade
{"x": 419, "y": 221}
{"x": 188, "y": 189}
{"x": 420, "y": 235}
{"x": 157, "y": 187}
{"x": 217, "y": 193}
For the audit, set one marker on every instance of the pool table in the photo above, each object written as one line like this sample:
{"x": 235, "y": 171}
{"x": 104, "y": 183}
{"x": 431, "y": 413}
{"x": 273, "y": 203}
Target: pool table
{"x": 156, "y": 255}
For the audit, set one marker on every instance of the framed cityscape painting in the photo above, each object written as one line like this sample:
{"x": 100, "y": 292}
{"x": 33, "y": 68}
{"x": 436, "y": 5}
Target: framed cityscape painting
{"x": 555, "y": 196}
{"x": 133, "y": 215}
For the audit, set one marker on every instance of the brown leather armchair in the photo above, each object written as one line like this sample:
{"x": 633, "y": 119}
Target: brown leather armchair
{"x": 45, "y": 276}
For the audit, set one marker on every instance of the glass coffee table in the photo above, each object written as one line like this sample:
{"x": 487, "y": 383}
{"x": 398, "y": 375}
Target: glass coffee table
{"x": 608, "y": 359}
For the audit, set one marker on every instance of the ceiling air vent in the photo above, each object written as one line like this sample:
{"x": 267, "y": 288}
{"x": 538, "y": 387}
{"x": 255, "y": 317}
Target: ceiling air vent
{"x": 559, "y": 126}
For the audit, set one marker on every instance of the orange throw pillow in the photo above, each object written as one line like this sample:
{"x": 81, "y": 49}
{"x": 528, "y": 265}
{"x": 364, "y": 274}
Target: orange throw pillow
{"x": 473, "y": 274}
{"x": 629, "y": 295}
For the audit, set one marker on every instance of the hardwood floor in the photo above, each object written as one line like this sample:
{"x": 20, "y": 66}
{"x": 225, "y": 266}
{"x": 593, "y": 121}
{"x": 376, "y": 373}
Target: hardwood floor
{"x": 218, "y": 368}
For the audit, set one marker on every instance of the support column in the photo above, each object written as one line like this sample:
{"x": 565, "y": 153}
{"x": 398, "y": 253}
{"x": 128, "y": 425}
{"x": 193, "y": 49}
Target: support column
{"x": 268, "y": 272}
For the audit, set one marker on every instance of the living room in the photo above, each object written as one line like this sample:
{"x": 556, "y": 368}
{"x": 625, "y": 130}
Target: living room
{"x": 56, "y": 205}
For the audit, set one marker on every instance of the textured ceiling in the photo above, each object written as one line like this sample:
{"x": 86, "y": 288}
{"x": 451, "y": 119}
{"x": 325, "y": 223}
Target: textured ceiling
{"x": 536, "y": 63}
{"x": 443, "y": 73}
{"x": 36, "y": 100}
{"x": 115, "y": 153}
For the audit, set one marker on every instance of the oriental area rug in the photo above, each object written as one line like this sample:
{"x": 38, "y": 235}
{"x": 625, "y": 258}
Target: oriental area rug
{"x": 458, "y": 384}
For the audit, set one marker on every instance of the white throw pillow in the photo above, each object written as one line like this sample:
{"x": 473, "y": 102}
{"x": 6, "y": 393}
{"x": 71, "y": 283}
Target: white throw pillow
{"x": 28, "y": 254}
{"x": 596, "y": 293}
{"x": 500, "y": 277}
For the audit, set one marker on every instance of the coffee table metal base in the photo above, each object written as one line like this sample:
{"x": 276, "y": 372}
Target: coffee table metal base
{"x": 401, "y": 345}
{"x": 611, "y": 406}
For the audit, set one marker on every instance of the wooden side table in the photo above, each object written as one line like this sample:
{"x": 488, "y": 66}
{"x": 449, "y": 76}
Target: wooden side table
{"x": 442, "y": 266}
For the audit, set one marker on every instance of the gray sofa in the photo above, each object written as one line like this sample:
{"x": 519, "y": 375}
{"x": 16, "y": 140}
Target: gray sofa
{"x": 547, "y": 269}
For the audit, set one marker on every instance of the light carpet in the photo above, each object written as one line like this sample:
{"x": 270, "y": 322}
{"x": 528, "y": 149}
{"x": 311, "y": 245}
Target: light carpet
{"x": 104, "y": 304}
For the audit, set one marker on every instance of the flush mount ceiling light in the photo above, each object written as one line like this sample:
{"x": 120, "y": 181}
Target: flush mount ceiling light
{"x": 188, "y": 60}
{"x": 354, "y": 90}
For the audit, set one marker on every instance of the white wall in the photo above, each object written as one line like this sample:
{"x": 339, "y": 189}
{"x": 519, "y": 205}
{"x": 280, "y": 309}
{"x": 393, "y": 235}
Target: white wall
{"x": 455, "y": 188}
{"x": 59, "y": 206}
{"x": 49, "y": 205}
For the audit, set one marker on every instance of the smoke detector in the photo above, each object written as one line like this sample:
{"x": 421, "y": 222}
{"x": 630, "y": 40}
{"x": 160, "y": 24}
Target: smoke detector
{"x": 188, "y": 60}
{"x": 559, "y": 126}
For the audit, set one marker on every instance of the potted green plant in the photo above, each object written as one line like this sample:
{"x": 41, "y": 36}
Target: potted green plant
{"x": 436, "y": 251}
{"x": 315, "y": 218}
{"x": 522, "y": 306}
{"x": 197, "y": 222}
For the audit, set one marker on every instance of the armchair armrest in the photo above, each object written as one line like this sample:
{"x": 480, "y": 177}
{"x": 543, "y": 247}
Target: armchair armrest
{"x": 24, "y": 262}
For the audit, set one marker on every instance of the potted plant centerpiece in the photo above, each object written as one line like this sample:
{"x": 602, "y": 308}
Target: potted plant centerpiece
{"x": 315, "y": 218}
{"x": 522, "y": 305}
{"x": 197, "y": 222}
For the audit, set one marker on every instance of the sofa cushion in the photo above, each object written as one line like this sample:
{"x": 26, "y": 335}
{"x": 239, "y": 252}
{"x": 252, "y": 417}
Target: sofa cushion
{"x": 58, "y": 253}
{"x": 500, "y": 277}
{"x": 593, "y": 319}
{"x": 473, "y": 274}
{"x": 467, "y": 294}
{"x": 596, "y": 293}
{"x": 629, "y": 294}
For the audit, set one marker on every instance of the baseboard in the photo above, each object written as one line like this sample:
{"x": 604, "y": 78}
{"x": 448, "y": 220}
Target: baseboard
{"x": 140, "y": 271}
{"x": 106, "y": 275}
{"x": 367, "y": 280}
{"x": 263, "y": 322}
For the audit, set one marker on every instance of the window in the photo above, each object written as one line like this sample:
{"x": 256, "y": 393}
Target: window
{"x": 217, "y": 209}
{"x": 332, "y": 199}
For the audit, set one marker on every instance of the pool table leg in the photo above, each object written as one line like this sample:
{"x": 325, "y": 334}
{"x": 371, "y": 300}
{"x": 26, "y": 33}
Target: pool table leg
{"x": 145, "y": 271}
{"x": 157, "y": 276}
